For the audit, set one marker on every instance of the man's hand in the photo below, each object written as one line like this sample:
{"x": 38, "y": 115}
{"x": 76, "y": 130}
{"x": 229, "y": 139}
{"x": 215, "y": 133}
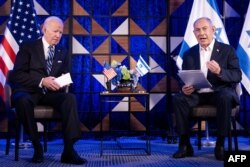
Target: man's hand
{"x": 50, "y": 84}
{"x": 214, "y": 67}
{"x": 187, "y": 89}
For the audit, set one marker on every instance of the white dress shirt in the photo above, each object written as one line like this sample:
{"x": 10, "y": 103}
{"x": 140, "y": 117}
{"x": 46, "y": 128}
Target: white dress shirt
{"x": 205, "y": 56}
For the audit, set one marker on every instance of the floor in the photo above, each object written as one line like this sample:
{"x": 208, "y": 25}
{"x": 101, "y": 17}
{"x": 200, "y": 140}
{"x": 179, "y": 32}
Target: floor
{"x": 161, "y": 154}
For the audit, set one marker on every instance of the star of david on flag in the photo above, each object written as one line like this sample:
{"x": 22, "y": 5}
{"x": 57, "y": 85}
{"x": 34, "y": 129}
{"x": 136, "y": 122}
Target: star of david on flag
{"x": 243, "y": 52}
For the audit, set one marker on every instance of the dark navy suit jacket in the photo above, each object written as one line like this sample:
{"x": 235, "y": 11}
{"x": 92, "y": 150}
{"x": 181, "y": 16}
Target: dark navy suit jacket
{"x": 226, "y": 57}
{"x": 30, "y": 66}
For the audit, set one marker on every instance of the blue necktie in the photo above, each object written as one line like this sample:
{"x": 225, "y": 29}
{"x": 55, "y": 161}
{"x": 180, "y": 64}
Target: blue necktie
{"x": 50, "y": 58}
{"x": 49, "y": 63}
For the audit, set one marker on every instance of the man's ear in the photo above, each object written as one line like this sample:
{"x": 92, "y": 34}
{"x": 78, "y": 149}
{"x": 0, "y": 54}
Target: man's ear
{"x": 43, "y": 28}
{"x": 214, "y": 28}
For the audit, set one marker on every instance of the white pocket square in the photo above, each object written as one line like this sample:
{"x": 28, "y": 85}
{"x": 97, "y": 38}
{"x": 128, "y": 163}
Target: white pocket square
{"x": 59, "y": 61}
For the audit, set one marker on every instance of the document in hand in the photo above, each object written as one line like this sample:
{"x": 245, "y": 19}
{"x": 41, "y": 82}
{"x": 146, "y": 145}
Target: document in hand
{"x": 64, "y": 80}
{"x": 196, "y": 78}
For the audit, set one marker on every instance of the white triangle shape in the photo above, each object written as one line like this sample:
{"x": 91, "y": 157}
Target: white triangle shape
{"x": 229, "y": 11}
{"x": 39, "y": 9}
{"x": 174, "y": 42}
{"x": 78, "y": 48}
{"x": 102, "y": 80}
{"x": 122, "y": 106}
{"x": 122, "y": 29}
{"x": 160, "y": 41}
{"x": 154, "y": 99}
{"x": 155, "y": 67}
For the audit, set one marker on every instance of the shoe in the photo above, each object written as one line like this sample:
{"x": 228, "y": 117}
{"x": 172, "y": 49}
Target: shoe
{"x": 38, "y": 154}
{"x": 184, "y": 151}
{"x": 72, "y": 158}
{"x": 219, "y": 153}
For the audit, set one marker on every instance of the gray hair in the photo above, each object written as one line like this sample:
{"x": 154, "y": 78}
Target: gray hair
{"x": 204, "y": 18}
{"x": 52, "y": 18}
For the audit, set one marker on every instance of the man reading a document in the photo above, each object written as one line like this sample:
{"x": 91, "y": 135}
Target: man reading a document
{"x": 33, "y": 81}
{"x": 220, "y": 66}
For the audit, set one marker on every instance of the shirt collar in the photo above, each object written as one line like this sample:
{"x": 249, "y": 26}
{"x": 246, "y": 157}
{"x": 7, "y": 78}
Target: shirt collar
{"x": 210, "y": 46}
{"x": 45, "y": 43}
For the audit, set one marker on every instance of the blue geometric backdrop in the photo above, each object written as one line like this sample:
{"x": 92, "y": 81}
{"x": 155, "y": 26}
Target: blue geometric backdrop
{"x": 105, "y": 30}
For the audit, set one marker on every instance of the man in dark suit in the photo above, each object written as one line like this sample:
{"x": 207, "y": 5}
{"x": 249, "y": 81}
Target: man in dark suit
{"x": 37, "y": 65}
{"x": 220, "y": 65}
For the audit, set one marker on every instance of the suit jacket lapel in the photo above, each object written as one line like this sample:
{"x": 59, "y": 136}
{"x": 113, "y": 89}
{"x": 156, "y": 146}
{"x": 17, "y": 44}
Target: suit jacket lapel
{"x": 41, "y": 54}
{"x": 197, "y": 57}
{"x": 215, "y": 51}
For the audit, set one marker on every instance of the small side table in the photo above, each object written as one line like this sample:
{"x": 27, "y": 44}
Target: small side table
{"x": 107, "y": 97}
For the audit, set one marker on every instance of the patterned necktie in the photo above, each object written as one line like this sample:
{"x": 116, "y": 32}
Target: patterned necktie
{"x": 50, "y": 58}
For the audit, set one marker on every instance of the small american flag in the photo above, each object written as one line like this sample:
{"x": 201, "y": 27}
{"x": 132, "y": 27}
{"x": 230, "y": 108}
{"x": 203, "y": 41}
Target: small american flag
{"x": 21, "y": 27}
{"x": 109, "y": 73}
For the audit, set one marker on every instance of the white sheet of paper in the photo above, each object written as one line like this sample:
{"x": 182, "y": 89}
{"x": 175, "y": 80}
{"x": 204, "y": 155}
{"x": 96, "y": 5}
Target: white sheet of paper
{"x": 196, "y": 78}
{"x": 64, "y": 80}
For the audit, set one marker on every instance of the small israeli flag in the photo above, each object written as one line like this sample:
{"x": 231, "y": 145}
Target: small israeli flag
{"x": 142, "y": 67}
{"x": 202, "y": 8}
{"x": 243, "y": 52}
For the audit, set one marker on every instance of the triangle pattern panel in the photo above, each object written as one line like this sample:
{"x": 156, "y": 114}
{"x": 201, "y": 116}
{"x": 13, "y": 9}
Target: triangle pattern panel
{"x": 119, "y": 24}
{"x": 136, "y": 106}
{"x": 78, "y": 28}
{"x": 135, "y": 29}
{"x": 100, "y": 25}
{"x": 122, "y": 10}
{"x": 119, "y": 44}
{"x": 39, "y": 9}
{"x": 66, "y": 26}
{"x": 44, "y": 6}
{"x": 105, "y": 124}
{"x": 122, "y": 41}
{"x": 5, "y": 8}
{"x": 101, "y": 79}
{"x": 161, "y": 29}
{"x": 155, "y": 67}
{"x": 160, "y": 41}
{"x": 135, "y": 124}
{"x": 229, "y": 11}
{"x": 122, "y": 106}
{"x": 132, "y": 62}
{"x": 160, "y": 86}
{"x": 97, "y": 41}
{"x": 142, "y": 23}
{"x": 122, "y": 29}
{"x": 83, "y": 127}
{"x": 78, "y": 48}
{"x": 154, "y": 99}
{"x": 97, "y": 29}
{"x": 175, "y": 5}
{"x": 154, "y": 23}
{"x": 175, "y": 52}
{"x": 101, "y": 59}
{"x": 103, "y": 48}
{"x": 240, "y": 7}
{"x": 78, "y": 9}
{"x": 120, "y": 58}
{"x": 174, "y": 42}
